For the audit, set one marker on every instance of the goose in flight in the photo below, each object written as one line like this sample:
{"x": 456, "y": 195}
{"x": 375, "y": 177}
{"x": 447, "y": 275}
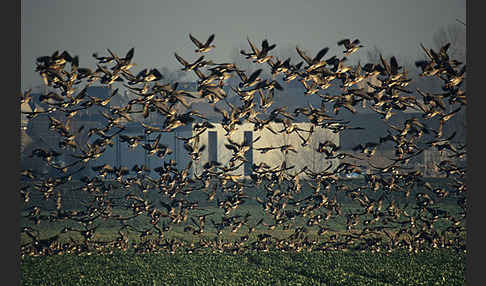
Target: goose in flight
{"x": 203, "y": 48}
{"x": 351, "y": 47}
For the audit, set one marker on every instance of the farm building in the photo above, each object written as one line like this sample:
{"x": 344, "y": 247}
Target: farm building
{"x": 37, "y": 134}
{"x": 298, "y": 156}
{"x": 25, "y": 139}
{"x": 40, "y": 135}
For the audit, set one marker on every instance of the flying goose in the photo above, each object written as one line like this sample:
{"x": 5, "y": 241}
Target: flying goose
{"x": 203, "y": 48}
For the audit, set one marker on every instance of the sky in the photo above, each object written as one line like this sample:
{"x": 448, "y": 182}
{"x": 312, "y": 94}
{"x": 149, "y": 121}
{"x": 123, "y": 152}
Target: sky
{"x": 157, "y": 29}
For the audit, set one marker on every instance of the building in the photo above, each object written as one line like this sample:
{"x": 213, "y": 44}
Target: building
{"x": 37, "y": 134}
{"x": 25, "y": 139}
{"x": 37, "y": 129}
{"x": 215, "y": 150}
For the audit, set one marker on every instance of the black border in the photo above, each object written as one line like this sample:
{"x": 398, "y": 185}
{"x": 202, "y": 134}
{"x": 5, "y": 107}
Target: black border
{"x": 472, "y": 107}
{"x": 10, "y": 207}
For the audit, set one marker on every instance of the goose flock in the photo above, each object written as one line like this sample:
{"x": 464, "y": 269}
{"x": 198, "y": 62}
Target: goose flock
{"x": 278, "y": 207}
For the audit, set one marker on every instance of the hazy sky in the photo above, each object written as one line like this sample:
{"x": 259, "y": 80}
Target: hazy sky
{"x": 157, "y": 29}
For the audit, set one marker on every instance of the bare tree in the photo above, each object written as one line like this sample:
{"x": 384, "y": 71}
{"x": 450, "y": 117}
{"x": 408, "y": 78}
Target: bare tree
{"x": 454, "y": 34}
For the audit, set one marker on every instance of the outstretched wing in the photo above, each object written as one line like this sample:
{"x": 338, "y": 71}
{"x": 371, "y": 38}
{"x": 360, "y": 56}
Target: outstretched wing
{"x": 210, "y": 39}
{"x": 345, "y": 42}
{"x": 253, "y": 48}
{"x": 320, "y": 54}
{"x": 181, "y": 60}
{"x": 304, "y": 56}
{"x": 195, "y": 41}
{"x": 386, "y": 66}
{"x": 129, "y": 55}
{"x": 254, "y": 75}
{"x": 266, "y": 47}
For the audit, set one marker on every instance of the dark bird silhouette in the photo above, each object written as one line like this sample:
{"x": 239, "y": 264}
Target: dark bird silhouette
{"x": 314, "y": 63}
{"x": 351, "y": 47}
{"x": 203, "y": 48}
{"x": 190, "y": 66}
{"x": 259, "y": 56}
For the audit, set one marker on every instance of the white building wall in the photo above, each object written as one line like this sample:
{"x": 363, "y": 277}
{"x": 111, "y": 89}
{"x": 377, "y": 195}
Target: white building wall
{"x": 305, "y": 156}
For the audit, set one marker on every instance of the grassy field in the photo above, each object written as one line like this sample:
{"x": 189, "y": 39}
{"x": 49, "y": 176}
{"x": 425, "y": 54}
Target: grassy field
{"x": 108, "y": 228}
{"x": 443, "y": 266}
{"x": 437, "y": 267}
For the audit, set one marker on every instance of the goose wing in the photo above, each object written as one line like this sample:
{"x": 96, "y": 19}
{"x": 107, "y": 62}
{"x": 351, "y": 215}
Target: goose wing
{"x": 195, "y": 41}
{"x": 304, "y": 56}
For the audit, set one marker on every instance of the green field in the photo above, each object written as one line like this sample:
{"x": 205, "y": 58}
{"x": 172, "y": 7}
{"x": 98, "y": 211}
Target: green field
{"x": 107, "y": 229}
{"x": 78, "y": 200}
{"x": 357, "y": 264}
{"x": 437, "y": 267}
